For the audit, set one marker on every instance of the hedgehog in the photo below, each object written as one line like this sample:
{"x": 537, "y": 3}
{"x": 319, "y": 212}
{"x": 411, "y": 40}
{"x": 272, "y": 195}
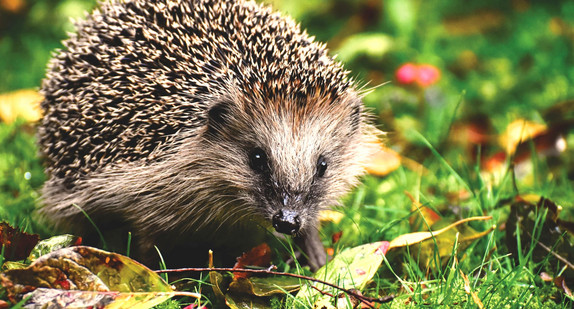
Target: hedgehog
{"x": 198, "y": 124}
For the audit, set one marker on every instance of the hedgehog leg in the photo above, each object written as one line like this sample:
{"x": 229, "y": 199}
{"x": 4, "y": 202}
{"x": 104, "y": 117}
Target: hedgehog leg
{"x": 311, "y": 244}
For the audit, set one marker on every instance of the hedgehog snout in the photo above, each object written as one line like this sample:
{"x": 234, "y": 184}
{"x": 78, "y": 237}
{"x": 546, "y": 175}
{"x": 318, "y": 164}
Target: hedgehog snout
{"x": 287, "y": 221}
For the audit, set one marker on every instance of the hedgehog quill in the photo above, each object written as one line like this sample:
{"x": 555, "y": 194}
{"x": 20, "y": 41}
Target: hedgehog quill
{"x": 198, "y": 124}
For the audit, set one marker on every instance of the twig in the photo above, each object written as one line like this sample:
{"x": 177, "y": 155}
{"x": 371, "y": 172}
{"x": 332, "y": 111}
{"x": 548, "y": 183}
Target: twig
{"x": 551, "y": 251}
{"x": 322, "y": 292}
{"x": 364, "y": 299}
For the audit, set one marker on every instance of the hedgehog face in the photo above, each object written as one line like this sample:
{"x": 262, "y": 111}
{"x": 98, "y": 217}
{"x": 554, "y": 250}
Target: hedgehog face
{"x": 294, "y": 161}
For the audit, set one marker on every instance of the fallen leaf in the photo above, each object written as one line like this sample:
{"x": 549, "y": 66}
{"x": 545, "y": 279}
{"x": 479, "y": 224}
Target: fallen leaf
{"x": 476, "y": 134}
{"x": 17, "y": 244}
{"x": 549, "y": 141}
{"x": 336, "y": 237}
{"x": 383, "y": 161}
{"x": 517, "y": 132}
{"x": 560, "y": 283}
{"x": 350, "y": 269}
{"x": 423, "y": 217}
{"x": 53, "y": 298}
{"x": 219, "y": 284}
{"x": 52, "y": 244}
{"x": 251, "y": 292}
{"x": 417, "y": 237}
{"x": 331, "y": 216}
{"x": 264, "y": 287}
{"x": 257, "y": 256}
{"x": 495, "y": 163}
{"x": 88, "y": 275}
{"x": 242, "y": 301}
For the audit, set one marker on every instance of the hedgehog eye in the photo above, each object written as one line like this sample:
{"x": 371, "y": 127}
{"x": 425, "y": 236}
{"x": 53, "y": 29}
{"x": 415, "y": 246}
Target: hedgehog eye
{"x": 258, "y": 160}
{"x": 321, "y": 166}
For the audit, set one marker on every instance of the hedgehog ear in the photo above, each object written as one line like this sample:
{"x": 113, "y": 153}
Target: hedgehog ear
{"x": 217, "y": 117}
{"x": 356, "y": 117}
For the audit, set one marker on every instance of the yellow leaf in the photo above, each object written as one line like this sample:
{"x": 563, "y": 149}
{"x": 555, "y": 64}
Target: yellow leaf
{"x": 23, "y": 104}
{"x": 519, "y": 131}
{"x": 423, "y": 216}
{"x": 383, "y": 161}
{"x": 417, "y": 237}
{"x": 331, "y": 216}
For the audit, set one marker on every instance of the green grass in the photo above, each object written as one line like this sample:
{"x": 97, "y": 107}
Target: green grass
{"x": 518, "y": 68}
{"x": 21, "y": 175}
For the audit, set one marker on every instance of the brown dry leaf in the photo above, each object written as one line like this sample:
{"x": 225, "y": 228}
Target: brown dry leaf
{"x": 474, "y": 131}
{"x": 257, "y": 256}
{"x": 383, "y": 161}
{"x": 23, "y": 104}
{"x": 560, "y": 283}
{"x": 17, "y": 244}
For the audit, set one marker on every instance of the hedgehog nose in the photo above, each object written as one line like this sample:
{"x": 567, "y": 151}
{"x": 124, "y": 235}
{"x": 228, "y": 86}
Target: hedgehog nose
{"x": 286, "y": 222}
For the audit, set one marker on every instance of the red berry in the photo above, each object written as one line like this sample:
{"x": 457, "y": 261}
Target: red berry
{"x": 427, "y": 75}
{"x": 407, "y": 73}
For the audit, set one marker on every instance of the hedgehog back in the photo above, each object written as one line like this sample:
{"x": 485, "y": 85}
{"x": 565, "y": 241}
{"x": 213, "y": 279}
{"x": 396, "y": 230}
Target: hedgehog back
{"x": 138, "y": 75}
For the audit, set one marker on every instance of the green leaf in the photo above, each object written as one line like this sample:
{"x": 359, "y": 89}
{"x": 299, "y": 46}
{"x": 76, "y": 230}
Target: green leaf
{"x": 52, "y": 244}
{"x": 374, "y": 46}
{"x": 263, "y": 287}
{"x": 244, "y": 301}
